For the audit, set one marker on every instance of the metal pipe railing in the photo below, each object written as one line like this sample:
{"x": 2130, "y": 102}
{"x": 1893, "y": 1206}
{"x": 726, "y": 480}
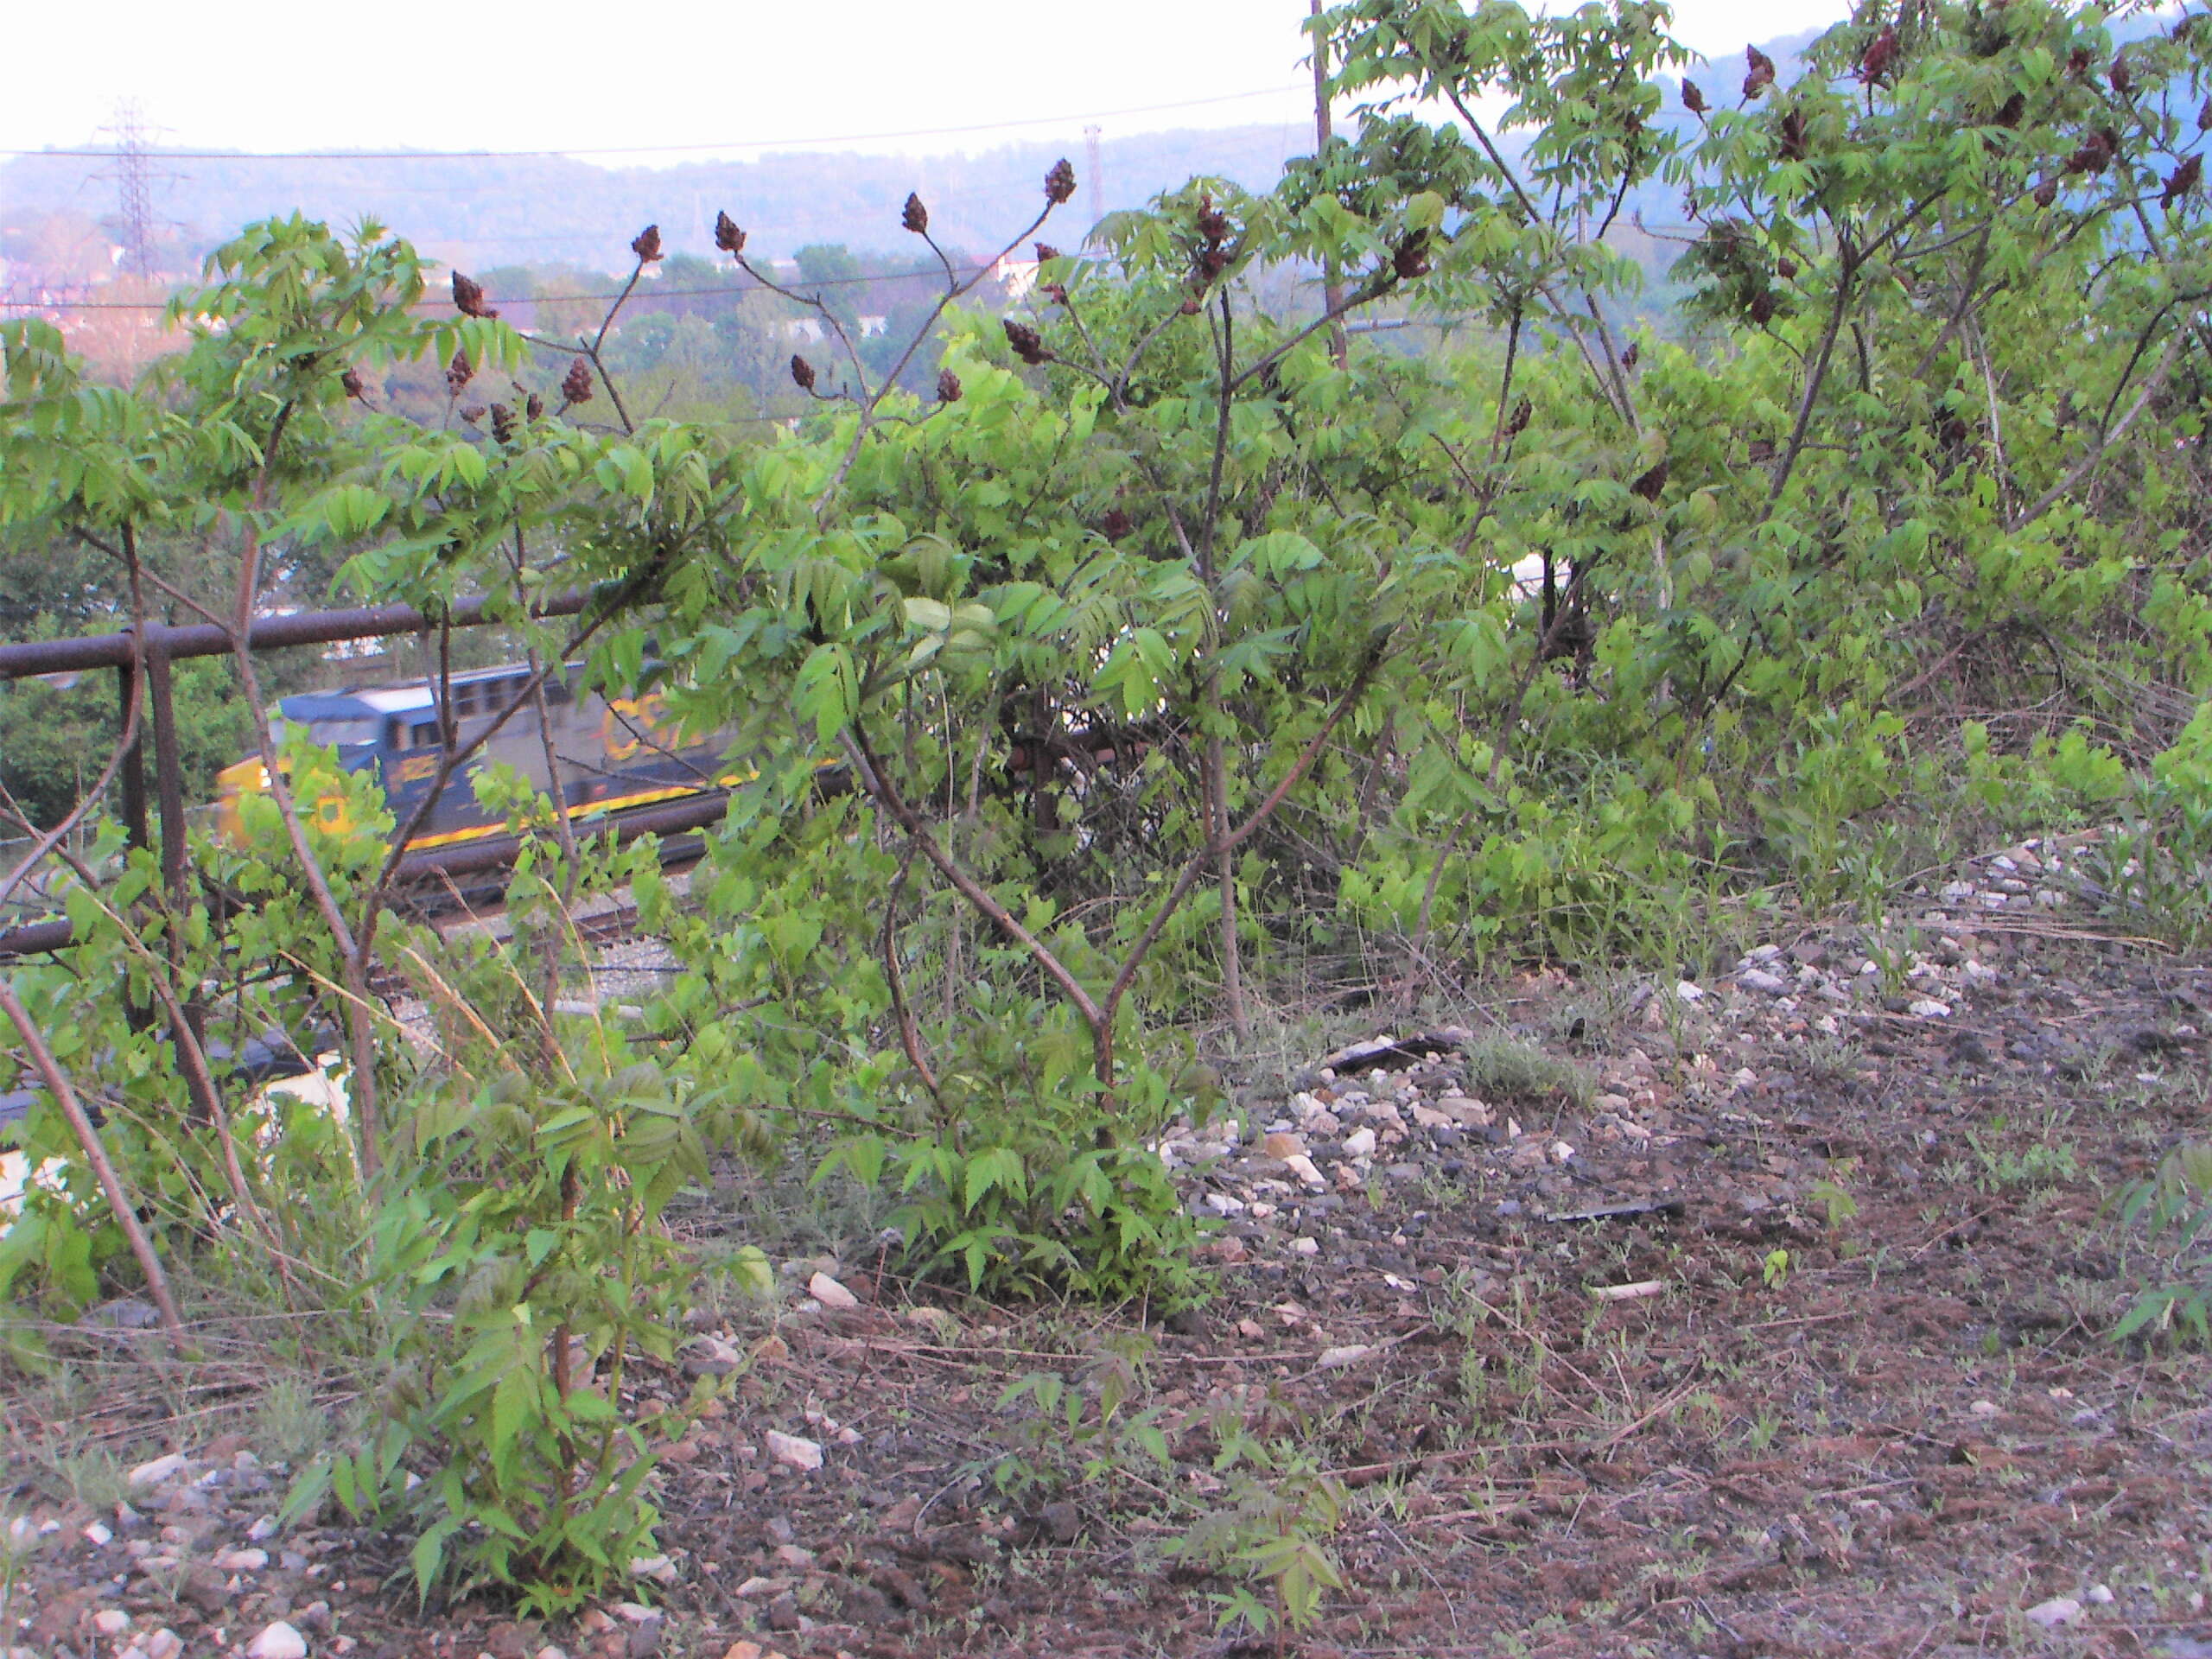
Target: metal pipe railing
{"x": 27, "y": 658}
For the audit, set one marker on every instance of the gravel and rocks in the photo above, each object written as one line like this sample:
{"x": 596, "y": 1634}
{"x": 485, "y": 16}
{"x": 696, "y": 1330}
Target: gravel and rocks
{"x": 1505, "y": 1282}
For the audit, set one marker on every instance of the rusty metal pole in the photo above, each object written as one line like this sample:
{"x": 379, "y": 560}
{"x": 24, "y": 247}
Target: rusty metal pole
{"x": 136, "y": 1012}
{"x": 169, "y": 794}
{"x": 169, "y": 767}
{"x": 134, "y": 758}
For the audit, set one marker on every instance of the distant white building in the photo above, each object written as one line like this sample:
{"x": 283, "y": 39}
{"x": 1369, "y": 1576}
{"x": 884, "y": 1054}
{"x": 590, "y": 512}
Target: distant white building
{"x": 1019, "y": 276}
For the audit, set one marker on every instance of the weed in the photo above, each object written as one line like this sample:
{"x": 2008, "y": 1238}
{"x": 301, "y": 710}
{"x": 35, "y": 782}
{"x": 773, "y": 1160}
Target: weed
{"x": 1760, "y": 1435}
{"x": 2175, "y": 1206}
{"x": 1831, "y": 1195}
{"x": 1281, "y": 1512}
{"x": 2045, "y": 1162}
{"x": 90, "y": 1475}
{"x": 289, "y": 1423}
{"x": 1507, "y": 1068}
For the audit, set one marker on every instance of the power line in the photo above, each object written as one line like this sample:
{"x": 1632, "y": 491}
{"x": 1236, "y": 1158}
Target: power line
{"x": 653, "y": 149}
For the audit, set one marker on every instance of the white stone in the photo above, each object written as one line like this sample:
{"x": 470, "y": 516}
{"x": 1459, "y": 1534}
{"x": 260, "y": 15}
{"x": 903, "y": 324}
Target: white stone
{"x": 110, "y": 1621}
{"x": 98, "y": 1536}
{"x": 1305, "y": 1168}
{"x": 154, "y": 1474}
{"x": 2059, "y": 1610}
{"x": 656, "y": 1567}
{"x": 1305, "y": 1247}
{"x": 240, "y": 1560}
{"x": 1927, "y": 1007}
{"x": 1360, "y": 1143}
{"x": 279, "y": 1641}
{"x": 1757, "y": 979}
{"x": 263, "y": 1527}
{"x": 1687, "y": 992}
{"x": 1222, "y": 1204}
{"x": 164, "y": 1643}
{"x": 1350, "y": 1354}
{"x": 2100, "y": 1594}
{"x": 828, "y": 1292}
{"x": 803, "y": 1455}
{"x": 1984, "y": 1408}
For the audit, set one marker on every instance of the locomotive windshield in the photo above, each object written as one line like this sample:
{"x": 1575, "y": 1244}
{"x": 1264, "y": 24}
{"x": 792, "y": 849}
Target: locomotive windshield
{"x": 342, "y": 733}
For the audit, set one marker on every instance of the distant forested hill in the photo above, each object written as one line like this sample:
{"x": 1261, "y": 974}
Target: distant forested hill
{"x": 552, "y": 211}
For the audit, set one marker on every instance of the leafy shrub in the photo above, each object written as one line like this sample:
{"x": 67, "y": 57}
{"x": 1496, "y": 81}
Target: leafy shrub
{"x": 523, "y": 1252}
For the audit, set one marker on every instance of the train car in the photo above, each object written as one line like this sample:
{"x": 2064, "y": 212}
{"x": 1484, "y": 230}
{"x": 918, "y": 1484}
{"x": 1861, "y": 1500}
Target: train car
{"x": 614, "y": 756}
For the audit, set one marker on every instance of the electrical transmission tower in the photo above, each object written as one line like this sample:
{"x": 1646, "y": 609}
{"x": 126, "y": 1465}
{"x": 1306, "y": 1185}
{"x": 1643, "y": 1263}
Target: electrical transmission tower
{"x": 134, "y": 189}
{"x": 1095, "y": 173}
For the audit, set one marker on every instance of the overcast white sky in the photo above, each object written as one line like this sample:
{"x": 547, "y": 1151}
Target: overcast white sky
{"x": 589, "y": 77}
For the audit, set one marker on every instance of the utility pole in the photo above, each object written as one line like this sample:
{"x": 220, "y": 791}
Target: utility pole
{"x": 1332, "y": 291}
{"x": 134, "y": 189}
{"x": 1095, "y": 174}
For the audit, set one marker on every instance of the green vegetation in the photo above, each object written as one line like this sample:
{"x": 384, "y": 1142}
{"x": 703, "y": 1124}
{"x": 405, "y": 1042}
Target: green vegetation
{"x": 1108, "y": 666}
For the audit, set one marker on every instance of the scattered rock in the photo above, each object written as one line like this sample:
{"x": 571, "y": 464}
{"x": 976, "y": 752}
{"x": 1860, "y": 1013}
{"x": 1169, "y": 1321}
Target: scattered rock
{"x": 828, "y": 1292}
{"x": 2059, "y": 1610}
{"x": 205, "y": 1588}
{"x": 156, "y": 1473}
{"x": 278, "y": 1641}
{"x": 794, "y": 1451}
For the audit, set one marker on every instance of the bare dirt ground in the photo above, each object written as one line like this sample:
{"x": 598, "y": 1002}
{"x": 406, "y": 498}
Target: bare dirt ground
{"x": 1909, "y": 1436}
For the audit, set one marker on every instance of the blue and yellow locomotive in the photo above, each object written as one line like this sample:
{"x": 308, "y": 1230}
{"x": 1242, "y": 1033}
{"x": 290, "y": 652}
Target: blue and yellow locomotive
{"x": 614, "y": 756}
